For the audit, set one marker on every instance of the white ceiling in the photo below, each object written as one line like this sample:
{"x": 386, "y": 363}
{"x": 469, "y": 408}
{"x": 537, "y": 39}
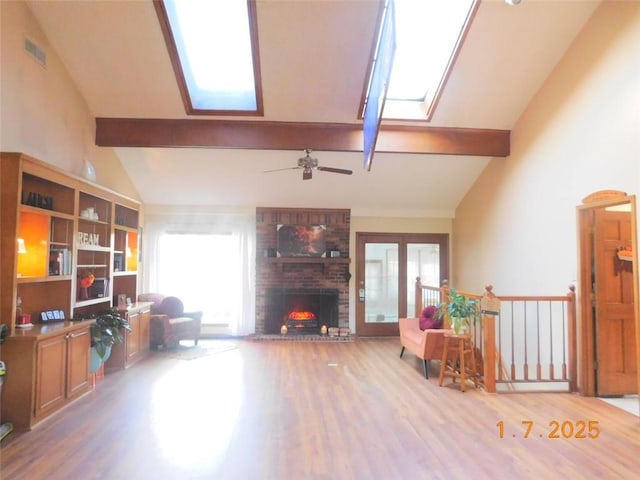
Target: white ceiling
{"x": 313, "y": 57}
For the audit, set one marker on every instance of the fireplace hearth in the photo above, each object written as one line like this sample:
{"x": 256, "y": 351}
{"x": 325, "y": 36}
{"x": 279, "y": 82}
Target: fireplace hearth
{"x": 302, "y": 310}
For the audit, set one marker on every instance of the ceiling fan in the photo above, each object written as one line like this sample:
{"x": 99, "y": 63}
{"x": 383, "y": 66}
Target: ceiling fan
{"x": 308, "y": 164}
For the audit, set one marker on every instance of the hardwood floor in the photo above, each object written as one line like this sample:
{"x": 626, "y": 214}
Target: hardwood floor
{"x": 302, "y": 410}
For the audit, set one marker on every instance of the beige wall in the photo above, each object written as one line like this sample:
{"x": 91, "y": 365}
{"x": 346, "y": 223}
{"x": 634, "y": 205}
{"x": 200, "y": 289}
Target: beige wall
{"x": 42, "y": 112}
{"x": 399, "y": 225}
{"x": 516, "y": 227}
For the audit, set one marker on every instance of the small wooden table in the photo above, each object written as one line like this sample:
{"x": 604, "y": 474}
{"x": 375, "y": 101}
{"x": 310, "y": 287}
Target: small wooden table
{"x": 460, "y": 346}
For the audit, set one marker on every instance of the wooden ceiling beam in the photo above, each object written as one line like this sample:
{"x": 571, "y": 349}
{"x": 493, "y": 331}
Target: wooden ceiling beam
{"x": 262, "y": 135}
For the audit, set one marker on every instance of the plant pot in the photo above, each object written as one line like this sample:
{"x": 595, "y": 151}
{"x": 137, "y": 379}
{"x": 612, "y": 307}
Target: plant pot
{"x": 460, "y": 325}
{"x": 96, "y": 361}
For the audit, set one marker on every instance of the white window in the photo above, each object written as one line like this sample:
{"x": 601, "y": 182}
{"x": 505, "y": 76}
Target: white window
{"x": 428, "y": 36}
{"x": 214, "y": 44}
{"x": 204, "y": 272}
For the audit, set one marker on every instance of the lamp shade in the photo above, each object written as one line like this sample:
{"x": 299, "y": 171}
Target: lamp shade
{"x": 21, "y": 246}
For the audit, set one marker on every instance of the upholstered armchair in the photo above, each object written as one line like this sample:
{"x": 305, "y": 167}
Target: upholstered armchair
{"x": 169, "y": 322}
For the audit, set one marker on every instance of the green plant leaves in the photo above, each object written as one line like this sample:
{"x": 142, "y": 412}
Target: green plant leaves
{"x": 460, "y": 308}
{"x": 106, "y": 332}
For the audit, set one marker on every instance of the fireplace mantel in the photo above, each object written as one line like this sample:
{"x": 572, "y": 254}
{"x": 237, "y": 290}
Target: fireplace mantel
{"x": 322, "y": 260}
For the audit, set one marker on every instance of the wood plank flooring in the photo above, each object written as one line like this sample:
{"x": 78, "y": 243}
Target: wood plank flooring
{"x": 302, "y": 410}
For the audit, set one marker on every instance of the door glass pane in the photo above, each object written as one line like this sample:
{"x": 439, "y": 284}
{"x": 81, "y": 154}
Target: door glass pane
{"x": 423, "y": 260}
{"x": 381, "y": 281}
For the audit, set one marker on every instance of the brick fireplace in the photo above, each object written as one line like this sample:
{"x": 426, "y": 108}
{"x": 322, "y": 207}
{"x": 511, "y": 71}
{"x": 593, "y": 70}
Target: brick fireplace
{"x": 316, "y": 285}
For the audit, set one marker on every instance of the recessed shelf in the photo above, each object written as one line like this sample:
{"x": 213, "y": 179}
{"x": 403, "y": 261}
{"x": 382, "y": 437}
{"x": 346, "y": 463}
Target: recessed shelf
{"x": 51, "y": 278}
{"x": 125, "y": 273}
{"x": 92, "y": 301}
{"x": 93, "y": 248}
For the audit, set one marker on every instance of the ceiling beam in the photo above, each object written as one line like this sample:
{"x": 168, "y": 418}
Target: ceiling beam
{"x": 262, "y": 135}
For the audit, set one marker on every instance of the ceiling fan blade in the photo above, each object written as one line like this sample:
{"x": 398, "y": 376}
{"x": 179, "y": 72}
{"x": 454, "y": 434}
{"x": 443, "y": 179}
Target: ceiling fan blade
{"x": 281, "y": 169}
{"x": 335, "y": 170}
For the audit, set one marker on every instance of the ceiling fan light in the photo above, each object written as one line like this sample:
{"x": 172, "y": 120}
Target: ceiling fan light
{"x": 512, "y": 2}
{"x": 307, "y": 173}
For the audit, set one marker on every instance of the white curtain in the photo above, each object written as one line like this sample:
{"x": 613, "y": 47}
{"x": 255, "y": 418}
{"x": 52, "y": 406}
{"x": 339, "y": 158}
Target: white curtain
{"x": 208, "y": 261}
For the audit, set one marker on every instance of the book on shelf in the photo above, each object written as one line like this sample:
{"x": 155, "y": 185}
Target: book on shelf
{"x": 60, "y": 261}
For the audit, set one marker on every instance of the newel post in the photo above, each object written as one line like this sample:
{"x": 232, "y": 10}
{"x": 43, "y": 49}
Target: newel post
{"x": 573, "y": 341}
{"x": 489, "y": 307}
{"x": 418, "y": 297}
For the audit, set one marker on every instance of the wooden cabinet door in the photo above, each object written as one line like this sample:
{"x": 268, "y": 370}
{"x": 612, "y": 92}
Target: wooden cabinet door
{"x": 78, "y": 345}
{"x": 145, "y": 321}
{"x": 133, "y": 337}
{"x": 50, "y": 374}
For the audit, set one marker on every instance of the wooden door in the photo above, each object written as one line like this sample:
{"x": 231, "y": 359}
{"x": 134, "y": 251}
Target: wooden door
{"x": 614, "y": 322}
{"x": 78, "y": 347}
{"x": 50, "y": 374}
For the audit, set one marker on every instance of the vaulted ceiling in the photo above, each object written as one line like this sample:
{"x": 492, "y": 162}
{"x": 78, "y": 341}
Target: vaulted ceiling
{"x": 314, "y": 57}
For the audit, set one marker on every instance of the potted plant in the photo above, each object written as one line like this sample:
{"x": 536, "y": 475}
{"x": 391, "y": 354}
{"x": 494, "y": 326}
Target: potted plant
{"x": 461, "y": 310}
{"x": 105, "y": 332}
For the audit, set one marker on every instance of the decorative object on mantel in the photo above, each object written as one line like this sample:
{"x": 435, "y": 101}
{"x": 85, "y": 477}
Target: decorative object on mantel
{"x": 623, "y": 261}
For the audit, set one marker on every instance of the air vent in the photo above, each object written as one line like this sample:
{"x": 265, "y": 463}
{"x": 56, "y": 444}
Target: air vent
{"x": 36, "y": 52}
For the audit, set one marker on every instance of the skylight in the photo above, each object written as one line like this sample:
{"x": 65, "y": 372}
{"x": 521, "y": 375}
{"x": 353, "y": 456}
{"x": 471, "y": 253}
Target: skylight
{"x": 428, "y": 34}
{"x": 213, "y": 40}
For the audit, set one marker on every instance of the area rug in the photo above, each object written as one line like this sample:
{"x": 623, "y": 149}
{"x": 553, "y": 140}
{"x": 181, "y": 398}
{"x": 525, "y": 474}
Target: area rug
{"x": 193, "y": 352}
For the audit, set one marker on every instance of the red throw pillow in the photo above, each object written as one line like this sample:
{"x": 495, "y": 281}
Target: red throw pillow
{"x": 429, "y": 319}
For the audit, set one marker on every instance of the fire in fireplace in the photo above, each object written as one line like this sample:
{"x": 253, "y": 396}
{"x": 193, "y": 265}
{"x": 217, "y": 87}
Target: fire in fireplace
{"x": 302, "y": 321}
{"x": 301, "y": 310}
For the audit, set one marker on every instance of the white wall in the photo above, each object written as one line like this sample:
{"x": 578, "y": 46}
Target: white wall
{"x": 516, "y": 227}
{"x": 42, "y": 112}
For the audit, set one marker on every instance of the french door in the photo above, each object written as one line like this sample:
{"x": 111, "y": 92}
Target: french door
{"x": 387, "y": 267}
